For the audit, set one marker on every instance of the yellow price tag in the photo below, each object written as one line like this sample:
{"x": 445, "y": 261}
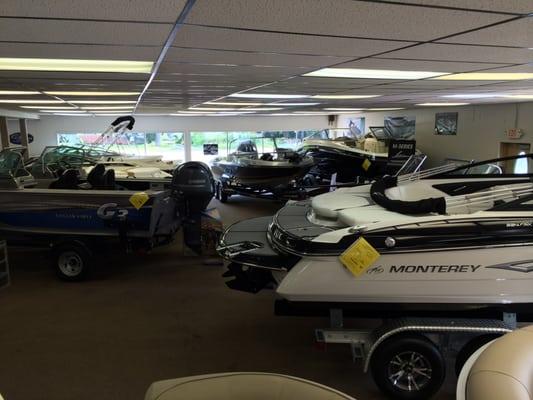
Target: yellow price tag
{"x": 138, "y": 199}
{"x": 366, "y": 164}
{"x": 359, "y": 256}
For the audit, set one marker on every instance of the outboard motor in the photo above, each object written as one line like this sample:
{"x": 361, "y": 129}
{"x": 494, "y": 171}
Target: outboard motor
{"x": 193, "y": 186}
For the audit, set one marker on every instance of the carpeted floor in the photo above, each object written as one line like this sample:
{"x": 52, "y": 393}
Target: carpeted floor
{"x": 152, "y": 317}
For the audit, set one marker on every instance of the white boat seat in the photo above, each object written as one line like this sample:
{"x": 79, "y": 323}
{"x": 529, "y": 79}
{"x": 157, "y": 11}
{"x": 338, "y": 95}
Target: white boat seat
{"x": 369, "y": 215}
{"x": 504, "y": 369}
{"x": 241, "y": 386}
{"x": 328, "y": 204}
{"x": 413, "y": 191}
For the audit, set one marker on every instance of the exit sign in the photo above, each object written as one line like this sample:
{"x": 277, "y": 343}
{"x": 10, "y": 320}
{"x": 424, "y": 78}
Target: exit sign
{"x": 514, "y": 133}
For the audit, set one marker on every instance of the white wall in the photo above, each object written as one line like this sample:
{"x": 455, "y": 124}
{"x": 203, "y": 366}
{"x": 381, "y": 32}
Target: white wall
{"x": 479, "y": 133}
{"x": 45, "y": 130}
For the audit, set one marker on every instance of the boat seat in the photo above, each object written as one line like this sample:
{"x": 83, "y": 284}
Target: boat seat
{"x": 413, "y": 191}
{"x": 241, "y": 386}
{"x": 67, "y": 180}
{"x": 267, "y": 157}
{"x": 329, "y": 204}
{"x": 109, "y": 179}
{"x": 96, "y": 176}
{"x": 369, "y": 215}
{"x": 503, "y": 369}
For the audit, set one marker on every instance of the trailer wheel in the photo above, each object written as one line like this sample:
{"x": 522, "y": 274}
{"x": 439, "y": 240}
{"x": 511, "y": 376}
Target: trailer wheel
{"x": 221, "y": 195}
{"x": 469, "y": 349}
{"x": 408, "y": 367}
{"x": 72, "y": 262}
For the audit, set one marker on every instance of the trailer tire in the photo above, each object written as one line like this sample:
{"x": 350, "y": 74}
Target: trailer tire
{"x": 221, "y": 195}
{"x": 470, "y": 348}
{"x": 72, "y": 261}
{"x": 408, "y": 367}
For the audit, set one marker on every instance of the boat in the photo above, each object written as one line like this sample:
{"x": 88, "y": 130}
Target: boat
{"x": 354, "y": 158}
{"x": 248, "y": 172}
{"x": 446, "y": 240}
{"x": 78, "y": 219}
{"x": 114, "y": 137}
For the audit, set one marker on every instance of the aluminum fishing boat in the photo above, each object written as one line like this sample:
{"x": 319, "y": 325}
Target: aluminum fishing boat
{"x": 449, "y": 241}
{"x": 353, "y": 158}
{"x": 78, "y": 219}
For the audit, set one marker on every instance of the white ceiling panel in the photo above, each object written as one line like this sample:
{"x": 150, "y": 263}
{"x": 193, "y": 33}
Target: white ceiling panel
{"x": 123, "y": 10}
{"x": 20, "y": 30}
{"x": 410, "y": 65}
{"x": 517, "y": 33}
{"x": 74, "y": 76}
{"x": 242, "y": 71}
{"x": 339, "y": 17}
{"x": 228, "y": 39}
{"x": 77, "y": 51}
{"x": 460, "y": 53}
{"x": 247, "y": 58}
{"x": 506, "y": 6}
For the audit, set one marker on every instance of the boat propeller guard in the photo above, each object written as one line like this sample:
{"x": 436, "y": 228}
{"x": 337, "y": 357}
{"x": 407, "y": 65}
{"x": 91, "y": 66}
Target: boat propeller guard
{"x": 424, "y": 206}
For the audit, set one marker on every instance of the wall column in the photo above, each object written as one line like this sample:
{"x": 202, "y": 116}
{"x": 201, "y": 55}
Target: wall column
{"x": 23, "y": 129}
{"x": 4, "y": 132}
{"x": 187, "y": 143}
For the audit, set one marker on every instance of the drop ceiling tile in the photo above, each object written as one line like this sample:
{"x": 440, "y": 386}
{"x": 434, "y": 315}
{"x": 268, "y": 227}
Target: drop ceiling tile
{"x": 464, "y": 53}
{"x": 339, "y": 17}
{"x": 418, "y": 65}
{"x": 50, "y": 31}
{"x": 506, "y": 6}
{"x": 247, "y": 58}
{"x": 517, "y": 33}
{"x": 240, "y": 71}
{"x": 77, "y": 51}
{"x": 228, "y": 39}
{"x": 124, "y": 10}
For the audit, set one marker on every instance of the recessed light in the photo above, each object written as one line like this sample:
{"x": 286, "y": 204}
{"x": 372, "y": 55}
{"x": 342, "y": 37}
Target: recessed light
{"x": 441, "y": 104}
{"x": 487, "y": 76}
{"x": 268, "y": 96}
{"x": 264, "y": 109}
{"x": 212, "y": 109}
{"x": 519, "y": 96}
{"x": 17, "y": 92}
{"x": 69, "y": 93}
{"x": 345, "y": 96}
{"x": 51, "y": 107}
{"x": 103, "y": 102}
{"x": 109, "y": 108}
{"x": 372, "y": 73}
{"x": 225, "y": 103}
{"x": 50, "y": 64}
{"x": 470, "y": 96}
{"x": 385, "y": 109}
{"x": 343, "y": 109}
{"x": 20, "y": 101}
{"x": 292, "y": 104}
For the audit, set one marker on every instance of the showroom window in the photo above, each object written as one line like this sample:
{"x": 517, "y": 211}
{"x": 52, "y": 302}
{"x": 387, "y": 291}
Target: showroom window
{"x": 169, "y": 145}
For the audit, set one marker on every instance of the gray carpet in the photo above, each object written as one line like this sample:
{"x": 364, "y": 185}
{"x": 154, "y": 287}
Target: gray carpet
{"x": 150, "y": 317}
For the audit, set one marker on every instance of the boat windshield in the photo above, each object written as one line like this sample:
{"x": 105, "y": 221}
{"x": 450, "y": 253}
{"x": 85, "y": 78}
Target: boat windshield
{"x": 521, "y": 164}
{"x": 56, "y": 158}
{"x": 12, "y": 164}
{"x": 336, "y": 134}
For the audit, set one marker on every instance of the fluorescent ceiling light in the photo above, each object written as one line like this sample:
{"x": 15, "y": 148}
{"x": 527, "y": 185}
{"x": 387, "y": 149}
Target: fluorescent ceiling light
{"x": 292, "y": 104}
{"x": 487, "y": 76}
{"x": 19, "y": 101}
{"x": 93, "y": 93}
{"x": 191, "y": 112}
{"x": 268, "y": 96}
{"x": 470, "y": 96}
{"x": 345, "y": 96}
{"x": 372, "y": 73}
{"x": 103, "y": 102}
{"x": 72, "y": 115}
{"x": 124, "y": 112}
{"x": 50, "y": 64}
{"x": 221, "y": 103}
{"x": 442, "y": 104}
{"x": 519, "y": 96}
{"x": 51, "y": 107}
{"x": 17, "y": 92}
{"x": 212, "y": 109}
{"x": 263, "y": 109}
{"x": 109, "y": 108}
{"x": 343, "y": 109}
{"x": 385, "y": 109}
{"x": 52, "y": 110}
